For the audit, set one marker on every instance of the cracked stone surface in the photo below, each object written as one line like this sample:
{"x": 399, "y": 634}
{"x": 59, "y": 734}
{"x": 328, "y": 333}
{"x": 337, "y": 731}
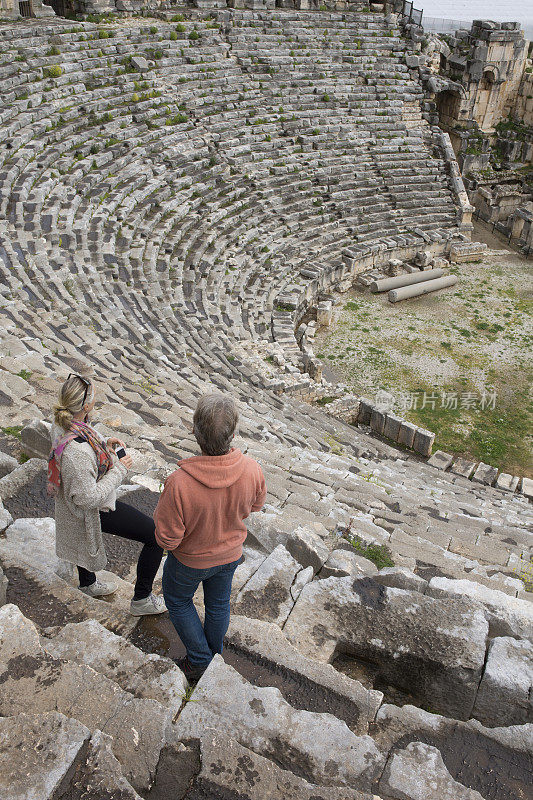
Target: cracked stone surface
{"x": 138, "y": 673}
{"x": 304, "y": 682}
{"x": 44, "y": 683}
{"x": 27, "y": 771}
{"x": 267, "y": 595}
{"x": 505, "y": 695}
{"x": 418, "y": 773}
{"x": 300, "y": 741}
{"x": 433, "y": 647}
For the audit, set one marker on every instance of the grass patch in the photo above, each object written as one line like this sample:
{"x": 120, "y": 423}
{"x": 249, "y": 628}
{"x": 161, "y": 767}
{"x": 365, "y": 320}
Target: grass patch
{"x": 12, "y": 431}
{"x": 524, "y": 572}
{"x": 497, "y": 436}
{"x": 379, "y": 554}
{"x": 25, "y": 374}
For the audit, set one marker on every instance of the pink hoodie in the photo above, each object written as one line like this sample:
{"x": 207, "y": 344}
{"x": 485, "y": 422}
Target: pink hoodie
{"x": 199, "y": 517}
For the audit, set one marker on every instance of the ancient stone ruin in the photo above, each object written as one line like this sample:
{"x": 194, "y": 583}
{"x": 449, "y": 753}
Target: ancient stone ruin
{"x": 480, "y": 87}
{"x": 175, "y": 192}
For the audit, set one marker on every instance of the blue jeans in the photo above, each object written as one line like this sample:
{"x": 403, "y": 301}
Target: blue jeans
{"x": 179, "y": 585}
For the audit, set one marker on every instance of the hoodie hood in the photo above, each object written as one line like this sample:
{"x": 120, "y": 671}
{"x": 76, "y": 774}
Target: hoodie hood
{"x": 215, "y": 472}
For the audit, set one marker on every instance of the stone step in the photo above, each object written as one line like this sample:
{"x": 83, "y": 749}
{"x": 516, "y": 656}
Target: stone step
{"x": 464, "y": 748}
{"x": 246, "y": 773}
{"x": 299, "y": 741}
{"x": 261, "y": 652}
{"x": 33, "y": 678}
{"x": 397, "y": 631}
{"x": 139, "y": 674}
{"x": 68, "y": 759}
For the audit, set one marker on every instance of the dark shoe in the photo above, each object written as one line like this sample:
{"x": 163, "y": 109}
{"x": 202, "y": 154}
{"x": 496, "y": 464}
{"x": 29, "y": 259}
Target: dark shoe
{"x": 192, "y": 672}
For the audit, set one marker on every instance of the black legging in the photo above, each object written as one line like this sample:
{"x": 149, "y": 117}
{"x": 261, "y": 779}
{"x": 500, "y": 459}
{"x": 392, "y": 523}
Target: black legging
{"x": 130, "y": 523}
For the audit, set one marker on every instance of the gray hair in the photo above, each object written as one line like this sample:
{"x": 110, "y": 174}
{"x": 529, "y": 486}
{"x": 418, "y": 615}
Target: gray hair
{"x": 214, "y": 423}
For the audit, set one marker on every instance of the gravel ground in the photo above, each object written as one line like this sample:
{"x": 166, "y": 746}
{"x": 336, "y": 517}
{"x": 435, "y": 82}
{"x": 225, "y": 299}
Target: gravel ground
{"x": 474, "y": 339}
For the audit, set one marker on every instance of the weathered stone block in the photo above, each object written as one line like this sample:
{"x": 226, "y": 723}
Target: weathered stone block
{"x": 44, "y": 684}
{"x": 407, "y": 432}
{"x": 423, "y": 441}
{"x": 329, "y": 689}
{"x": 527, "y": 488}
{"x": 140, "y": 674}
{"x": 267, "y": 594}
{"x": 441, "y": 460}
{"x": 423, "y": 258}
{"x": 485, "y": 474}
{"x": 506, "y": 482}
{"x": 37, "y": 752}
{"x": 507, "y": 616}
{"x": 365, "y": 411}
{"x": 324, "y": 313}
{"x": 435, "y": 651}
{"x": 5, "y": 518}
{"x": 140, "y": 63}
{"x": 401, "y": 578}
{"x": 463, "y": 467}
{"x": 7, "y": 464}
{"x": 318, "y": 747}
{"x": 505, "y": 695}
{"x": 307, "y": 548}
{"x": 392, "y": 427}
{"x": 247, "y": 774}
{"x": 467, "y": 251}
{"x": 377, "y": 421}
{"x": 14, "y": 481}
{"x": 100, "y": 774}
{"x": 467, "y": 746}
{"x": 18, "y": 635}
{"x": 36, "y": 439}
{"x": 343, "y": 562}
{"x": 418, "y": 773}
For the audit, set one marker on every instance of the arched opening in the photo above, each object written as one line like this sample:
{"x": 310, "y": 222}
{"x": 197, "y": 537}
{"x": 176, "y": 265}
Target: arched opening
{"x": 488, "y": 79}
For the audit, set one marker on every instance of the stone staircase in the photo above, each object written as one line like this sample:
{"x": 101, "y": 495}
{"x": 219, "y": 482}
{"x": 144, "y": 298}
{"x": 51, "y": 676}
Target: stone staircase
{"x": 385, "y": 661}
{"x": 162, "y": 186}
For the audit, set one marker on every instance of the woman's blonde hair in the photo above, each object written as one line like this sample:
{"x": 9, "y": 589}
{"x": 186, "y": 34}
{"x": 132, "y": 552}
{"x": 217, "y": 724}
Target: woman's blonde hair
{"x": 71, "y": 400}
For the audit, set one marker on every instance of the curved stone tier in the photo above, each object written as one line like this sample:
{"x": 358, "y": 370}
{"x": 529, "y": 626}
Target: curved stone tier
{"x": 167, "y": 189}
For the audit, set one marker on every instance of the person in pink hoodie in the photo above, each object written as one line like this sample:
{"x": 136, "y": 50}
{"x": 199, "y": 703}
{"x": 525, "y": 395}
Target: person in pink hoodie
{"x": 200, "y": 521}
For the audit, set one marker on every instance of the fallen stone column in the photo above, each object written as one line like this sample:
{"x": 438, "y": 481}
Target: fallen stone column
{"x": 405, "y": 292}
{"x": 384, "y": 284}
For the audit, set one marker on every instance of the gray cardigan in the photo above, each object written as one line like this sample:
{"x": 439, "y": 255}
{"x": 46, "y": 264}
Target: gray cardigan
{"x": 78, "y": 503}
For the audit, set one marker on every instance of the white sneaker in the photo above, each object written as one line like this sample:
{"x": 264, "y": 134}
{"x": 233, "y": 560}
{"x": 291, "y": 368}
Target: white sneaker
{"x": 153, "y": 604}
{"x": 99, "y": 589}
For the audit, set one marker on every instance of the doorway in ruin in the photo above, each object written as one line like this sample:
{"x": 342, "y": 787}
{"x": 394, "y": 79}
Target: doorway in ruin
{"x": 448, "y": 106}
{"x": 63, "y": 8}
{"x": 486, "y": 106}
{"x": 25, "y": 8}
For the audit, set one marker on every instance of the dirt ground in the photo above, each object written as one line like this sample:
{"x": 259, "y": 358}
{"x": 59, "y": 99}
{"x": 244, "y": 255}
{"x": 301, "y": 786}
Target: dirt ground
{"x": 458, "y": 362}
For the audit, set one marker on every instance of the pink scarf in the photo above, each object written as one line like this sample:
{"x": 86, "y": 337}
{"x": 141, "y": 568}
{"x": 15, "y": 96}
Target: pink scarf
{"x": 104, "y": 458}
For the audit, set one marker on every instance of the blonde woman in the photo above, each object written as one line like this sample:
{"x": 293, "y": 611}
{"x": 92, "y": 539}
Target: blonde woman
{"x": 84, "y": 473}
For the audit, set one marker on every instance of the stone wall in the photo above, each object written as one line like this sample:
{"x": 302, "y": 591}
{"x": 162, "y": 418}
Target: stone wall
{"x": 9, "y": 9}
{"x": 480, "y": 78}
{"x": 523, "y": 109}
